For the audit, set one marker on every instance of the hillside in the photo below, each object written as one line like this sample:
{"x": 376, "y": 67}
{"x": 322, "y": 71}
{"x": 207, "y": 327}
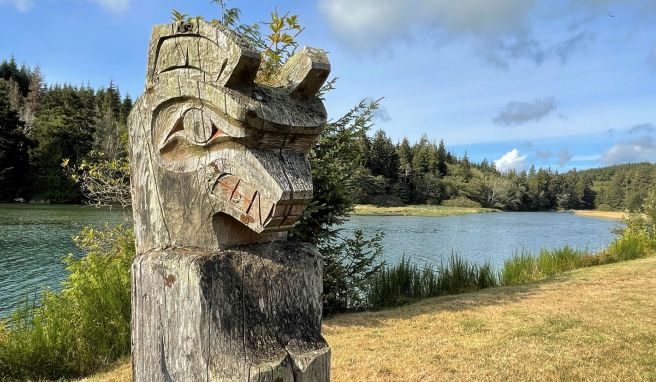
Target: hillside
{"x": 592, "y": 324}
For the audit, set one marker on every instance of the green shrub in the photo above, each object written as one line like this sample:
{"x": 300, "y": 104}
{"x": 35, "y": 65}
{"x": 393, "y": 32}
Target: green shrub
{"x": 629, "y": 245}
{"x": 86, "y": 325}
{"x": 461, "y": 201}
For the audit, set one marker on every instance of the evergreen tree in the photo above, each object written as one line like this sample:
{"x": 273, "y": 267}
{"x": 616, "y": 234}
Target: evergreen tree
{"x": 383, "y": 159}
{"x": 13, "y": 149}
{"x": 404, "y": 152}
{"x": 465, "y": 168}
{"x": 421, "y": 156}
{"x": 64, "y": 130}
{"x": 441, "y": 159}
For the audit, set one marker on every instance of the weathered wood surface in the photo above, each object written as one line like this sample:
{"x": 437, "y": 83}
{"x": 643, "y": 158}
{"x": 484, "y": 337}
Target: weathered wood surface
{"x": 219, "y": 160}
{"x": 249, "y": 314}
{"x": 208, "y": 140}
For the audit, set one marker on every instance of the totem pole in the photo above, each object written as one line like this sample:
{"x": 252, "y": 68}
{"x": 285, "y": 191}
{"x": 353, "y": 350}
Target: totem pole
{"x": 219, "y": 174}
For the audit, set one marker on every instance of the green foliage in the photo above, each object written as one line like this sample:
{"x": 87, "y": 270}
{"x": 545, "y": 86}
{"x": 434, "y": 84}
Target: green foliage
{"x": 525, "y": 267}
{"x": 404, "y": 282}
{"x": 335, "y": 160}
{"x": 103, "y": 182}
{"x": 349, "y": 266}
{"x": 84, "y": 327}
{"x": 14, "y": 147}
{"x": 461, "y": 201}
{"x": 382, "y": 158}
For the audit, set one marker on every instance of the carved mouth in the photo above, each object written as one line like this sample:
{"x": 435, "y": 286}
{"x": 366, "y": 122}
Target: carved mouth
{"x": 248, "y": 204}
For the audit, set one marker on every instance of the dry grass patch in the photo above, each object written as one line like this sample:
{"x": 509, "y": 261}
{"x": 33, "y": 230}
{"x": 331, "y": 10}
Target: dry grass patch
{"x": 418, "y": 210}
{"x": 611, "y": 215}
{"x": 593, "y": 324}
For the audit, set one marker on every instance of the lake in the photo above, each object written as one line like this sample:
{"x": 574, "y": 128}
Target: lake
{"x": 34, "y": 238}
{"x": 486, "y": 237}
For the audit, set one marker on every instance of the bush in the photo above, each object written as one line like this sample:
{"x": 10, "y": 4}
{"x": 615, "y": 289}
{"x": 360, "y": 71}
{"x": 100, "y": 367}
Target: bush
{"x": 461, "y": 201}
{"x": 386, "y": 201}
{"x": 86, "y": 325}
{"x": 348, "y": 266}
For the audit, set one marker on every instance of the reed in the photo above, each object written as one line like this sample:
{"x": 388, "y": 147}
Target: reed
{"x": 398, "y": 284}
{"x": 526, "y": 267}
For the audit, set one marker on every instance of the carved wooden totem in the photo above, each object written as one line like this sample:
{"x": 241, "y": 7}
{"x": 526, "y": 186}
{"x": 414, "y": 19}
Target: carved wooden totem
{"x": 219, "y": 175}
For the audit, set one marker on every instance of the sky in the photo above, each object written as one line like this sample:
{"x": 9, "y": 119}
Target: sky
{"x": 555, "y": 83}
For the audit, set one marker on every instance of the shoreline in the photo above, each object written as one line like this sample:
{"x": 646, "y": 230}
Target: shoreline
{"x": 440, "y": 211}
{"x": 606, "y": 215}
{"x": 418, "y": 210}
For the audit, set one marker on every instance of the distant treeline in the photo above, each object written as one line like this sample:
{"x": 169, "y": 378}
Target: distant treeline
{"x": 42, "y": 125}
{"x": 426, "y": 172}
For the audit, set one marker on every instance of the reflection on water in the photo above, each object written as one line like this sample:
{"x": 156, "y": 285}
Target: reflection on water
{"x": 485, "y": 237}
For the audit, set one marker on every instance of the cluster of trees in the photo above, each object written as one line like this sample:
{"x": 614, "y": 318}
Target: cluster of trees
{"x": 426, "y": 172}
{"x": 42, "y": 125}
{"x": 624, "y": 186}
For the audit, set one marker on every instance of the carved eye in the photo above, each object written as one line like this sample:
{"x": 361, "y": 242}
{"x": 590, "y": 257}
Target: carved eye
{"x": 198, "y": 126}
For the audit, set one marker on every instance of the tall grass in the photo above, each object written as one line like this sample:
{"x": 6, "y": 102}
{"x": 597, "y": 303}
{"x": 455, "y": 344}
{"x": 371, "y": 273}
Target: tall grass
{"x": 526, "y": 267}
{"x": 82, "y": 328}
{"x": 398, "y": 284}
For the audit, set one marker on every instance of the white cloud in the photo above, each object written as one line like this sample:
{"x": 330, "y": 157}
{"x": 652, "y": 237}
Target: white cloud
{"x": 114, "y": 5}
{"x": 501, "y": 29}
{"x": 642, "y": 149}
{"x": 365, "y": 23}
{"x": 511, "y": 161}
{"x": 21, "y": 5}
{"x": 515, "y": 113}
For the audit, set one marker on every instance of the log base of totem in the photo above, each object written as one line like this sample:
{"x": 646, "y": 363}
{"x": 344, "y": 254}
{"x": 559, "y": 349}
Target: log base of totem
{"x": 251, "y": 313}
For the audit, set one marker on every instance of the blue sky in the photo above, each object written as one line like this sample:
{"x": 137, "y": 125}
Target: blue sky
{"x": 558, "y": 83}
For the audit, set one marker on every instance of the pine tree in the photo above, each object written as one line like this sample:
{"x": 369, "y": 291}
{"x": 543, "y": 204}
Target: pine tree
{"x": 404, "y": 152}
{"x": 441, "y": 159}
{"x": 13, "y": 149}
{"x": 32, "y": 100}
{"x": 465, "y": 168}
{"x": 382, "y": 158}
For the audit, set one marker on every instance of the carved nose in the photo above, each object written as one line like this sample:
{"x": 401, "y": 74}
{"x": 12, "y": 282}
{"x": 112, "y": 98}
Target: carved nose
{"x": 268, "y": 192}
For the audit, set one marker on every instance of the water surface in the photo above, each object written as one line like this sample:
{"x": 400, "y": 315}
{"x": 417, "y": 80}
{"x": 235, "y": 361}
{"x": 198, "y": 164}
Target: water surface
{"x": 34, "y": 239}
{"x": 485, "y": 237}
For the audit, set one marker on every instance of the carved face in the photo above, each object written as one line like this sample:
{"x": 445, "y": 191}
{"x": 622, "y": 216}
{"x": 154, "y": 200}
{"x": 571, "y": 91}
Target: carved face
{"x": 216, "y": 158}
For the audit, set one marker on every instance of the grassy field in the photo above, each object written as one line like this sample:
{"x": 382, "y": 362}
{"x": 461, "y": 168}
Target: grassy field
{"x": 590, "y": 324}
{"x": 418, "y": 210}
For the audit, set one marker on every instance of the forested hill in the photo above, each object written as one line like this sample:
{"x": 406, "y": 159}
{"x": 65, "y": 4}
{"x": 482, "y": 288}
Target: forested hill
{"x": 42, "y": 125}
